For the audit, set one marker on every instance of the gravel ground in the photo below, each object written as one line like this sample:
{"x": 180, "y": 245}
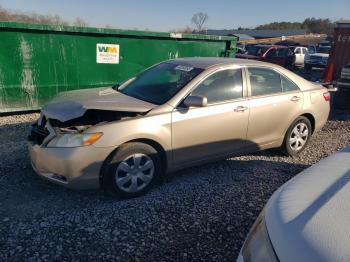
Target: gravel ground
{"x": 202, "y": 213}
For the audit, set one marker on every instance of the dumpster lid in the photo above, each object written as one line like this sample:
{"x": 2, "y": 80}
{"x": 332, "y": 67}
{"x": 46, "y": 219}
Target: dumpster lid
{"x": 108, "y": 31}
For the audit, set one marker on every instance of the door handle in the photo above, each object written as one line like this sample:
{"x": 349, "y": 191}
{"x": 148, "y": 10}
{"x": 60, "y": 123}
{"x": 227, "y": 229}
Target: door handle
{"x": 295, "y": 98}
{"x": 240, "y": 108}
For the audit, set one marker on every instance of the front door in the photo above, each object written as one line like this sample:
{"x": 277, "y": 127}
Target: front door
{"x": 208, "y": 132}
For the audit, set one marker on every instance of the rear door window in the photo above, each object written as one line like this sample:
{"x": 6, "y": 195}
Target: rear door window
{"x": 264, "y": 81}
{"x": 288, "y": 85}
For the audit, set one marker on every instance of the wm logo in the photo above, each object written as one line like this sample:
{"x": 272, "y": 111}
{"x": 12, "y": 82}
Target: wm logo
{"x": 106, "y": 49}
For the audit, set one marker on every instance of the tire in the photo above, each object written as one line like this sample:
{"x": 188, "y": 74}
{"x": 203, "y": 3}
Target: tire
{"x": 131, "y": 170}
{"x": 291, "y": 148}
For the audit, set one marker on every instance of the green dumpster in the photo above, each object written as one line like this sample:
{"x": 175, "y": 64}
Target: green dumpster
{"x": 38, "y": 61}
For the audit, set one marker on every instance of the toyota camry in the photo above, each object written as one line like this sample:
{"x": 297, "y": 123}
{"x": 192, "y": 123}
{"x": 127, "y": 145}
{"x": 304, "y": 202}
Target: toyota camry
{"x": 175, "y": 114}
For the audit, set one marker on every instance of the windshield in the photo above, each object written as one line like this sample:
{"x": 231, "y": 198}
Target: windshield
{"x": 256, "y": 50}
{"x": 160, "y": 83}
{"x": 324, "y": 49}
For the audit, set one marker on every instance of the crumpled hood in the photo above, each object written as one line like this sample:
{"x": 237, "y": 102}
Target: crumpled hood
{"x": 73, "y": 104}
{"x": 308, "y": 218}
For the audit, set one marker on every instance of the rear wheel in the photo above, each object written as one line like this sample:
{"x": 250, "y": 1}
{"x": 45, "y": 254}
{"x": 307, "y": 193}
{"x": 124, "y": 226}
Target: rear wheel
{"x": 297, "y": 136}
{"x": 132, "y": 170}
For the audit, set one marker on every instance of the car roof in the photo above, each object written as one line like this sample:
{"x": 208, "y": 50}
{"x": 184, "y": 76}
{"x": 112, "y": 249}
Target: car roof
{"x": 264, "y": 45}
{"x": 308, "y": 217}
{"x": 207, "y": 62}
{"x": 280, "y": 46}
{"x": 272, "y": 46}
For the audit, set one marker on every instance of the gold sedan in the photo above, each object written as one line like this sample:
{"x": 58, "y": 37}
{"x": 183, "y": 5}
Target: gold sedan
{"x": 176, "y": 114}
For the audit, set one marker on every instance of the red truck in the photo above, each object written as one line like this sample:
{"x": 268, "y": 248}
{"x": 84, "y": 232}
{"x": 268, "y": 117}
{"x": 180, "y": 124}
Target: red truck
{"x": 280, "y": 55}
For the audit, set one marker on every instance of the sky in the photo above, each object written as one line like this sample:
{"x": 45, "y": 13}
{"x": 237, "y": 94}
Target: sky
{"x": 167, "y": 15}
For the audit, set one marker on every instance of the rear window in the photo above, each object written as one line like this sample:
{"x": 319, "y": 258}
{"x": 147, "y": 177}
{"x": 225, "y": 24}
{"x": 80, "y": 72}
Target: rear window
{"x": 256, "y": 50}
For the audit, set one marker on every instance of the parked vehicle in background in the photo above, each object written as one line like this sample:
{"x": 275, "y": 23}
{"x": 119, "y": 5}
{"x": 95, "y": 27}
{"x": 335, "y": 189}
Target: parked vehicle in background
{"x": 287, "y": 43}
{"x": 255, "y": 51}
{"x": 344, "y": 81}
{"x": 300, "y": 53}
{"x": 311, "y": 49}
{"x": 280, "y": 55}
{"x": 176, "y": 114}
{"x": 339, "y": 62}
{"x": 307, "y": 219}
{"x": 240, "y": 48}
{"x": 325, "y": 43}
{"x": 342, "y": 96}
{"x": 318, "y": 59}
{"x": 265, "y": 43}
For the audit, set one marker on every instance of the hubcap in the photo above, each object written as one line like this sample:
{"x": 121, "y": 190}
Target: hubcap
{"x": 299, "y": 136}
{"x": 134, "y": 173}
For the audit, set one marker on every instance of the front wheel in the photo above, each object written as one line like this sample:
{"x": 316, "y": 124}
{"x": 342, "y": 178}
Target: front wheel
{"x": 132, "y": 170}
{"x": 297, "y": 136}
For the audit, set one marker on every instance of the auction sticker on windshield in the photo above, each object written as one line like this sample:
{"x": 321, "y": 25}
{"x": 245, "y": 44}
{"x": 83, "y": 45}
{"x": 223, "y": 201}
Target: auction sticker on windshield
{"x": 184, "y": 68}
{"x": 107, "y": 54}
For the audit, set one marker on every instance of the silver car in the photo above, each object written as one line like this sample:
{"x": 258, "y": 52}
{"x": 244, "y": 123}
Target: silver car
{"x": 307, "y": 219}
{"x": 176, "y": 114}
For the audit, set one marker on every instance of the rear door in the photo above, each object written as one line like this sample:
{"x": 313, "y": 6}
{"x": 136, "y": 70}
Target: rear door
{"x": 274, "y": 101}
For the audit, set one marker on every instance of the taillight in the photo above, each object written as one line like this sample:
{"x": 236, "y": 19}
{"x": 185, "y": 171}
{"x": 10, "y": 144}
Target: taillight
{"x": 327, "y": 96}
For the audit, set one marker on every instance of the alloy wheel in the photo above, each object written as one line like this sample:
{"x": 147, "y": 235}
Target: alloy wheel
{"x": 299, "y": 136}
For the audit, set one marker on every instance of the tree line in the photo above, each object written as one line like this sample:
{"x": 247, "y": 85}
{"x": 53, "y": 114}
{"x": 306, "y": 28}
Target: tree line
{"x": 311, "y": 25}
{"x": 33, "y": 17}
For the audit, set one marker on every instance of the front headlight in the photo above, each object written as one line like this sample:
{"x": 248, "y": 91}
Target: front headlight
{"x": 257, "y": 246}
{"x": 74, "y": 140}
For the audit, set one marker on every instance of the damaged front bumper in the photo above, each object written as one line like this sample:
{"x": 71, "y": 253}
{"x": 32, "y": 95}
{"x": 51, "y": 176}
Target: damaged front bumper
{"x": 76, "y": 168}
{"x": 72, "y": 167}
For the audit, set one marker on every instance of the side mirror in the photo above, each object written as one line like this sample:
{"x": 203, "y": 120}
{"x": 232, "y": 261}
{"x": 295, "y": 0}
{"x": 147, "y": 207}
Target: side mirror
{"x": 195, "y": 101}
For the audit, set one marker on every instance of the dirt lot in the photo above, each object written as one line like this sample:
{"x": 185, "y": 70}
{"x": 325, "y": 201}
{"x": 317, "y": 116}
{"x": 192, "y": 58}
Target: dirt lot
{"x": 202, "y": 213}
